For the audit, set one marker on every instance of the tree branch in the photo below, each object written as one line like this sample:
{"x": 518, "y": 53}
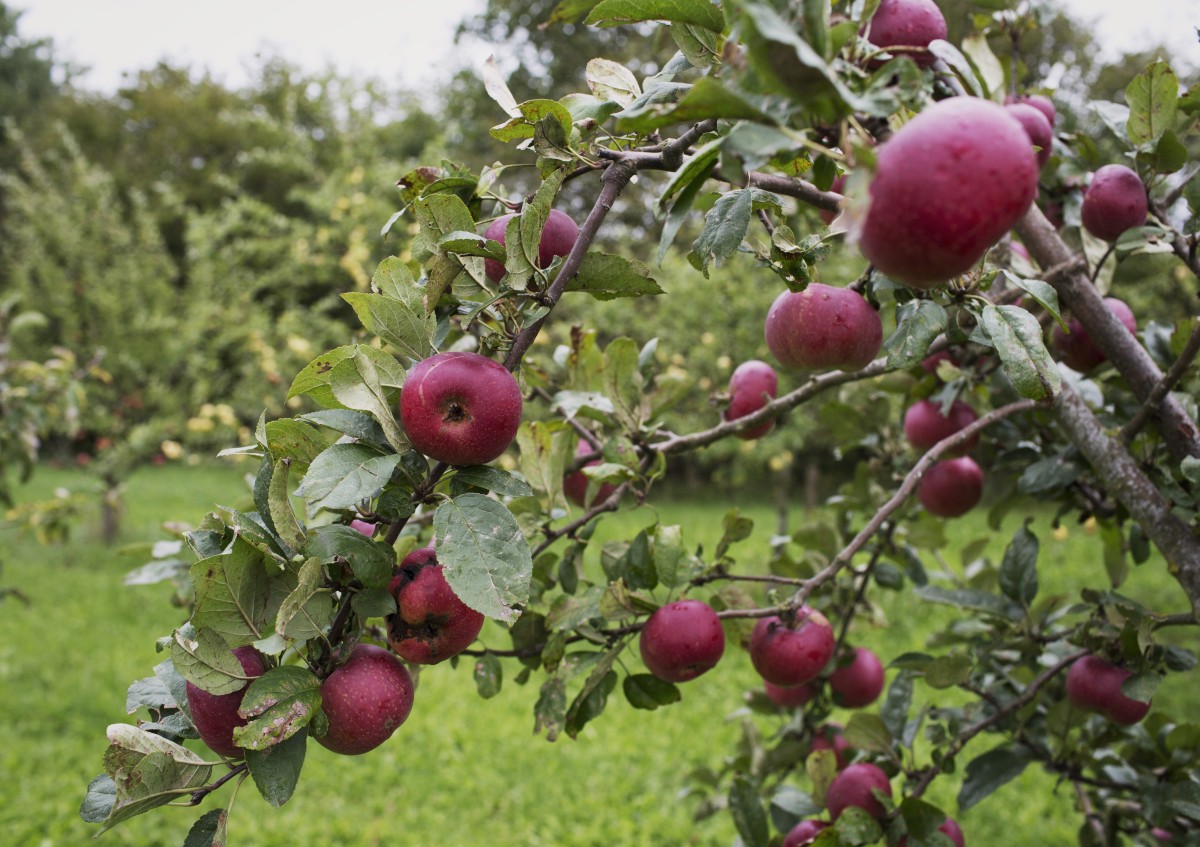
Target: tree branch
{"x": 1153, "y": 401}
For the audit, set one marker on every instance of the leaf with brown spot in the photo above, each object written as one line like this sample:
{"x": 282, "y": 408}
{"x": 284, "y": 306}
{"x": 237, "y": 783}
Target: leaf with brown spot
{"x": 281, "y": 702}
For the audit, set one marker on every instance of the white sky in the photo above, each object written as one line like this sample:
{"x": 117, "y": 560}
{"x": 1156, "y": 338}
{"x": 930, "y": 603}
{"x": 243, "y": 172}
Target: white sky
{"x": 399, "y": 41}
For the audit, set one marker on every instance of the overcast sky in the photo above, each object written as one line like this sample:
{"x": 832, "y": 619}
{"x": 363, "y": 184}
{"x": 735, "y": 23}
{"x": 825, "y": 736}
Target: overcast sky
{"x": 399, "y": 41}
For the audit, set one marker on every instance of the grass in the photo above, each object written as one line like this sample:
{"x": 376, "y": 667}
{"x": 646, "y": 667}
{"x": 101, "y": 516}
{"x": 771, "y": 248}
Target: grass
{"x": 462, "y": 770}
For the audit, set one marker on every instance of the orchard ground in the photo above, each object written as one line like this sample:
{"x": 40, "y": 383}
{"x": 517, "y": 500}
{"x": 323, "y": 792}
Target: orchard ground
{"x": 462, "y": 770}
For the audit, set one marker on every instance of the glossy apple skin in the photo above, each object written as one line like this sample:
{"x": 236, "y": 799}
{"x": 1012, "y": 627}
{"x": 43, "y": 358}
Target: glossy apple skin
{"x": 365, "y": 527}
{"x": 859, "y": 683}
{"x": 925, "y": 425}
{"x": 1038, "y": 101}
{"x": 830, "y": 737}
{"x": 804, "y": 833}
{"x": 558, "y": 237}
{"x": 790, "y": 697}
{"x": 460, "y": 408}
{"x": 430, "y": 624}
{"x": 216, "y": 715}
{"x": 1094, "y": 685}
{"x": 908, "y": 23}
{"x": 823, "y": 328}
{"x": 682, "y": 640}
{"x": 948, "y": 185}
{"x": 951, "y": 488}
{"x": 1076, "y": 349}
{"x": 752, "y": 385}
{"x": 949, "y": 828}
{"x": 839, "y": 183}
{"x": 365, "y": 700}
{"x": 1114, "y": 202}
{"x": 575, "y": 484}
{"x": 852, "y": 787}
{"x": 791, "y": 656}
{"x": 1041, "y": 133}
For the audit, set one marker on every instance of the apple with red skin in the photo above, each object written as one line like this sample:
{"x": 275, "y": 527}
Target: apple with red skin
{"x": 823, "y": 327}
{"x": 365, "y": 527}
{"x": 1114, "y": 202}
{"x": 682, "y": 640}
{"x": 365, "y": 700}
{"x": 839, "y": 183}
{"x": 949, "y": 828}
{"x": 1094, "y": 685}
{"x": 830, "y": 737}
{"x": 1040, "y": 132}
{"x": 794, "y": 653}
{"x": 951, "y": 488}
{"x": 431, "y": 623}
{"x": 216, "y": 715}
{"x": 804, "y": 833}
{"x": 460, "y": 408}
{"x": 1075, "y": 347}
{"x": 790, "y": 696}
{"x": 925, "y": 425}
{"x": 908, "y": 23}
{"x": 854, "y": 786}
{"x": 575, "y": 485}
{"x": 859, "y": 683}
{"x": 752, "y": 385}
{"x": 1038, "y": 101}
{"x": 948, "y": 185}
{"x": 558, "y": 237}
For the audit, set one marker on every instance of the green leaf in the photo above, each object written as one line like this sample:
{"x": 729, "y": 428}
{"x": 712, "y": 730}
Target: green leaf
{"x": 313, "y": 380}
{"x": 623, "y": 381}
{"x": 958, "y": 63}
{"x": 147, "y": 771}
{"x": 609, "y": 80}
{"x": 725, "y": 227}
{"x": 854, "y": 827}
{"x": 969, "y": 598}
{"x": 1153, "y": 97}
{"x": 668, "y": 553}
{"x": 357, "y": 425}
{"x": 206, "y": 661}
{"x": 789, "y": 806}
{"x": 279, "y": 499}
{"x": 1018, "y": 339}
{"x": 276, "y": 770}
{"x": 208, "y": 830}
{"x": 100, "y": 799}
{"x": 370, "y": 560}
{"x": 525, "y": 124}
{"x": 707, "y": 98}
{"x": 702, "y": 13}
{"x": 646, "y": 691}
{"x": 293, "y": 439}
{"x": 484, "y": 555}
{"x": 366, "y": 382}
{"x": 373, "y": 603}
{"x": 918, "y": 322}
{"x": 1042, "y": 292}
{"x": 948, "y": 671}
{"x": 492, "y": 479}
{"x": 593, "y": 697}
{"x": 866, "y": 731}
{"x": 1141, "y": 686}
{"x": 405, "y": 326}
{"x": 308, "y": 609}
{"x": 546, "y": 448}
{"x": 232, "y": 593}
{"x": 896, "y": 704}
{"x": 279, "y": 703}
{"x": 607, "y": 277}
{"x": 1018, "y": 570}
{"x": 699, "y": 45}
{"x": 821, "y": 768}
{"x": 984, "y": 62}
{"x": 151, "y": 693}
{"x": 345, "y": 474}
{"x": 489, "y": 675}
{"x": 550, "y": 710}
{"x": 1115, "y": 562}
{"x": 988, "y": 772}
{"x": 748, "y": 813}
{"x": 921, "y": 819}
{"x": 688, "y": 181}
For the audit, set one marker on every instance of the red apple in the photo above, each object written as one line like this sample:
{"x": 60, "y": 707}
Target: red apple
{"x": 682, "y": 640}
{"x": 430, "y": 624}
{"x": 948, "y": 185}
{"x": 804, "y": 833}
{"x": 822, "y": 328}
{"x": 752, "y": 385}
{"x": 1038, "y": 101}
{"x": 859, "y": 683}
{"x": 216, "y": 715}
{"x": 558, "y": 237}
{"x": 790, "y": 696}
{"x": 908, "y": 23}
{"x": 1114, "y": 202}
{"x": 460, "y": 408}
{"x": 365, "y": 700}
{"x": 854, "y": 786}
{"x": 1040, "y": 132}
{"x": 951, "y": 488}
{"x": 1075, "y": 347}
{"x": 575, "y": 485}
{"x": 365, "y": 527}
{"x": 839, "y": 183}
{"x": 1094, "y": 685}
{"x": 949, "y": 828}
{"x": 830, "y": 737}
{"x": 792, "y": 654}
{"x": 925, "y": 425}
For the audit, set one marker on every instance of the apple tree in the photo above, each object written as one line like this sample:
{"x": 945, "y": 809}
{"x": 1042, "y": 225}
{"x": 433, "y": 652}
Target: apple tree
{"x": 451, "y": 469}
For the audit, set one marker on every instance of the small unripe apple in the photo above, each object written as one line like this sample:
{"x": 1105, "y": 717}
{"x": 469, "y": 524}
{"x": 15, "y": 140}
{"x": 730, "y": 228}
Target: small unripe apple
{"x": 853, "y": 787}
{"x": 925, "y": 425}
{"x": 949, "y": 828}
{"x": 1038, "y": 101}
{"x": 837, "y": 187}
{"x": 682, "y": 640}
{"x": 790, "y": 696}
{"x": 1075, "y": 347}
{"x": 859, "y": 683}
{"x": 1114, "y": 202}
{"x": 908, "y": 23}
{"x": 216, "y": 715}
{"x": 575, "y": 485}
{"x": 365, "y": 700}
{"x": 431, "y": 623}
{"x": 822, "y": 328}
{"x": 804, "y": 833}
{"x": 1041, "y": 133}
{"x": 1094, "y": 685}
{"x": 951, "y": 488}
{"x": 794, "y": 654}
{"x": 830, "y": 737}
{"x": 460, "y": 408}
{"x": 948, "y": 185}
{"x": 752, "y": 385}
{"x": 558, "y": 237}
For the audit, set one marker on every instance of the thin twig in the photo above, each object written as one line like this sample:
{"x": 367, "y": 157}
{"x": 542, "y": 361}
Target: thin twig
{"x": 1163, "y": 387}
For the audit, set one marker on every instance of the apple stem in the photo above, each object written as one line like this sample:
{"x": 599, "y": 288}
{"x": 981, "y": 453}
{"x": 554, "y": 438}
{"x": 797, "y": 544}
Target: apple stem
{"x": 197, "y": 796}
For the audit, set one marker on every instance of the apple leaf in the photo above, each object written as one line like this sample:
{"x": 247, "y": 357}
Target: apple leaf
{"x": 607, "y": 277}
{"x": 293, "y": 439}
{"x": 371, "y": 561}
{"x": 970, "y": 598}
{"x": 404, "y": 325}
{"x": 550, "y": 710}
{"x": 151, "y": 693}
{"x": 1018, "y": 570}
{"x": 545, "y": 451}
{"x": 276, "y": 770}
{"x": 279, "y": 500}
{"x": 313, "y": 380}
{"x": 373, "y": 603}
{"x": 280, "y": 703}
{"x": 569, "y": 11}
{"x": 707, "y": 98}
{"x": 866, "y": 731}
{"x": 1042, "y": 292}
{"x": 987, "y": 67}
{"x": 202, "y": 657}
{"x": 357, "y": 425}
{"x": 589, "y": 704}
{"x": 145, "y": 771}
{"x": 524, "y": 125}
{"x": 988, "y": 772}
{"x": 896, "y": 705}
{"x": 688, "y": 181}
{"x": 484, "y": 555}
{"x": 918, "y": 323}
{"x": 489, "y": 675}
{"x": 616, "y": 12}
{"x": 1017, "y": 337}
{"x": 749, "y": 816}
{"x": 232, "y": 594}
{"x": 344, "y": 474}
{"x": 208, "y": 830}
{"x": 361, "y": 383}
{"x": 725, "y": 227}
{"x": 789, "y": 806}
{"x": 958, "y": 63}
{"x": 609, "y": 80}
{"x": 701, "y": 46}
{"x": 489, "y": 479}
{"x": 821, "y": 768}
{"x": 1153, "y": 98}
{"x": 921, "y": 819}
{"x": 854, "y": 826}
{"x": 308, "y": 609}
{"x": 948, "y": 671}
{"x": 646, "y": 691}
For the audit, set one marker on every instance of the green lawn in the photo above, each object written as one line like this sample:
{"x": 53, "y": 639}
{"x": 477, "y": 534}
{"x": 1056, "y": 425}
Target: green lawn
{"x": 462, "y": 770}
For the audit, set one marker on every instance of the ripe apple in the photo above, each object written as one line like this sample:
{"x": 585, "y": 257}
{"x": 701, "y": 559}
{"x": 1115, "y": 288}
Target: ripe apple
{"x": 790, "y": 696}
{"x": 365, "y": 700}
{"x": 1094, "y": 685}
{"x": 853, "y": 787}
{"x": 575, "y": 484}
{"x": 823, "y": 327}
{"x": 752, "y": 385}
{"x": 949, "y": 828}
{"x": 830, "y": 737}
{"x": 430, "y": 624}
{"x": 951, "y": 488}
{"x": 948, "y": 185}
{"x": 925, "y": 425}
{"x": 908, "y": 23}
{"x": 839, "y": 183}
{"x": 1075, "y": 347}
{"x": 859, "y": 683}
{"x": 1038, "y": 101}
{"x": 682, "y": 640}
{"x": 365, "y": 527}
{"x": 1041, "y": 133}
{"x": 804, "y": 833}
{"x": 558, "y": 237}
{"x": 1114, "y": 202}
{"x": 792, "y": 653}
{"x": 460, "y": 408}
{"x": 216, "y": 715}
